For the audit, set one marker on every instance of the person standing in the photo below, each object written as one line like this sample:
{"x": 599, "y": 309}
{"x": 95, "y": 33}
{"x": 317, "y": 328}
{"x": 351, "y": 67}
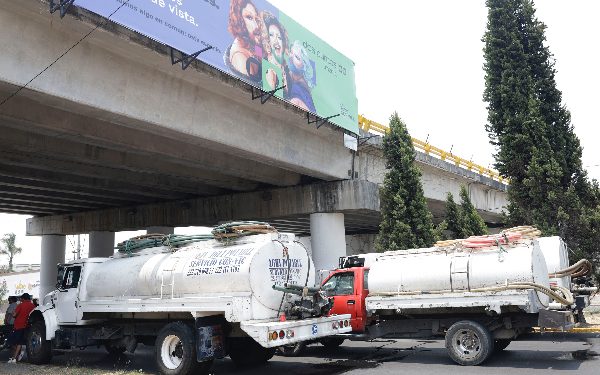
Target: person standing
{"x": 17, "y": 337}
{"x": 9, "y": 318}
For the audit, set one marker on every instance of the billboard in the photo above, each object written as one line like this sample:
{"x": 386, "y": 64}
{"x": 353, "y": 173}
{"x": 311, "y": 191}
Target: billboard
{"x": 16, "y": 284}
{"x": 251, "y": 40}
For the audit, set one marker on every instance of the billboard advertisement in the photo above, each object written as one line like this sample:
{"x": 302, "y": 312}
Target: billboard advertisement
{"x": 251, "y": 40}
{"x": 15, "y": 284}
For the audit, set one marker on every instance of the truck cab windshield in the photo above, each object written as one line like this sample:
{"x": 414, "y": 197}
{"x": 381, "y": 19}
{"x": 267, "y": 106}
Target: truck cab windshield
{"x": 341, "y": 284}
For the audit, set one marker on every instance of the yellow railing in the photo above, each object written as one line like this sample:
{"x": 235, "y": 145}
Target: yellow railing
{"x": 372, "y": 126}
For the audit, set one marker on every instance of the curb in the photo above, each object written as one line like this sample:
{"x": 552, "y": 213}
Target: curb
{"x": 585, "y": 330}
{"x": 595, "y": 329}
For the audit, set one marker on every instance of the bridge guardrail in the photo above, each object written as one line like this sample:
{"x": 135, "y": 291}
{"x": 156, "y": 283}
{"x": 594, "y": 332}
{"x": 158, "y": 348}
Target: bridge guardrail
{"x": 370, "y": 126}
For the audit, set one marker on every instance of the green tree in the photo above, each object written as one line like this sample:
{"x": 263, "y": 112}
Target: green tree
{"x": 464, "y": 220}
{"x": 406, "y": 221}
{"x": 439, "y": 232}
{"x": 8, "y": 247}
{"x": 471, "y": 223}
{"x": 537, "y": 148}
{"x": 3, "y": 290}
{"x": 453, "y": 217}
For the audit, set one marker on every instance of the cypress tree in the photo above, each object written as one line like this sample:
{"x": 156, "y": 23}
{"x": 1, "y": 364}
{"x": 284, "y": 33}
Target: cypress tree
{"x": 507, "y": 90}
{"x": 464, "y": 220}
{"x": 532, "y": 131}
{"x": 471, "y": 223}
{"x": 406, "y": 221}
{"x": 453, "y": 217}
{"x": 439, "y": 232}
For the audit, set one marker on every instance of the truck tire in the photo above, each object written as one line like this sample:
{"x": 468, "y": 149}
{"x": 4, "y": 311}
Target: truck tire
{"x": 469, "y": 343}
{"x": 39, "y": 350}
{"x": 245, "y": 352}
{"x": 175, "y": 351}
{"x": 501, "y": 344}
{"x": 331, "y": 343}
{"x": 293, "y": 350}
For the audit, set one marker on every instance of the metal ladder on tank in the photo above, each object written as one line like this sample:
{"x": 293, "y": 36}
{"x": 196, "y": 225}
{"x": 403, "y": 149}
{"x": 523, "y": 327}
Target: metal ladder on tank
{"x": 169, "y": 267}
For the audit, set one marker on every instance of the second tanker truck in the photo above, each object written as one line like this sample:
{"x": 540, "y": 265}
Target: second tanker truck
{"x": 479, "y": 294}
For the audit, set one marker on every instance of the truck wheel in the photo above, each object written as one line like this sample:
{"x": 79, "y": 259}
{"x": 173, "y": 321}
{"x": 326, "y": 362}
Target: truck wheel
{"x": 293, "y": 350}
{"x": 331, "y": 343}
{"x": 469, "y": 343}
{"x": 501, "y": 344}
{"x": 245, "y": 352}
{"x": 176, "y": 351}
{"x": 39, "y": 350}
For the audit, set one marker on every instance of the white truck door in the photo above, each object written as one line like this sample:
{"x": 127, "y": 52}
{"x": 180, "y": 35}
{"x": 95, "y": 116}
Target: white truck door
{"x": 68, "y": 295}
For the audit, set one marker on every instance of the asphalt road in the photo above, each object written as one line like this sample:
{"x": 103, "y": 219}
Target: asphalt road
{"x": 543, "y": 354}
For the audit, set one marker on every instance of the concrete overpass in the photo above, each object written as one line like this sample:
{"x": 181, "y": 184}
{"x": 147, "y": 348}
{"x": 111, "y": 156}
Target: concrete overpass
{"x": 113, "y": 137}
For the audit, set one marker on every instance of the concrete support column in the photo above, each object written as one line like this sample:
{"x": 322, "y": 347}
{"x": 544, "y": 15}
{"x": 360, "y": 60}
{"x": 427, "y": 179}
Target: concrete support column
{"x": 53, "y": 253}
{"x": 102, "y": 244}
{"x": 160, "y": 230}
{"x": 328, "y": 239}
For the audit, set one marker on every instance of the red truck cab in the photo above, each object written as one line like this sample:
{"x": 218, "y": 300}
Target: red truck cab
{"x": 349, "y": 288}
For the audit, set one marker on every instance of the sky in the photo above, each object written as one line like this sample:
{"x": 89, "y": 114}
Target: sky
{"x": 424, "y": 59}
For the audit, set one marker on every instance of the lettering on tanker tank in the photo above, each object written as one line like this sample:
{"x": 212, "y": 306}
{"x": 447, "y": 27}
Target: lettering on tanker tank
{"x": 279, "y": 269}
{"x": 218, "y": 262}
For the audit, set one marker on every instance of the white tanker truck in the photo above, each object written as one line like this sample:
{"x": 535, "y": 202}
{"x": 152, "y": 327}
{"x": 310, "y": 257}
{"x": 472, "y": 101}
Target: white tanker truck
{"x": 479, "y": 295}
{"x": 194, "y": 301}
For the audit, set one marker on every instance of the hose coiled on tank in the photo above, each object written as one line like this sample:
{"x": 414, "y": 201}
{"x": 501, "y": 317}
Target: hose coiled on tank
{"x": 307, "y": 260}
{"x": 225, "y": 231}
{"x": 287, "y": 279}
{"x": 526, "y": 231}
{"x": 148, "y": 241}
{"x": 242, "y": 228}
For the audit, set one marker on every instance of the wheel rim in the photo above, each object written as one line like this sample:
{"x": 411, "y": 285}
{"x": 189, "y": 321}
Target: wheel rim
{"x": 35, "y": 341}
{"x": 171, "y": 352}
{"x": 466, "y": 344}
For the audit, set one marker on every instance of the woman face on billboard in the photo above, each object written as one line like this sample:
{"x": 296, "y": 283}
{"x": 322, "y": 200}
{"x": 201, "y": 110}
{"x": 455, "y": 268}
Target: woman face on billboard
{"x": 251, "y": 21}
{"x": 296, "y": 57}
{"x": 276, "y": 42}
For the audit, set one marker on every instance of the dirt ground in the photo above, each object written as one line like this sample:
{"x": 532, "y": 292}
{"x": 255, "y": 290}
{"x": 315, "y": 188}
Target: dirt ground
{"x": 26, "y": 369}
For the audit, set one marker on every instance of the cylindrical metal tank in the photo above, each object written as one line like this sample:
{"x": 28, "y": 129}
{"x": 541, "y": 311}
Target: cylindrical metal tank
{"x": 247, "y": 267}
{"x": 432, "y": 270}
{"x": 557, "y": 258}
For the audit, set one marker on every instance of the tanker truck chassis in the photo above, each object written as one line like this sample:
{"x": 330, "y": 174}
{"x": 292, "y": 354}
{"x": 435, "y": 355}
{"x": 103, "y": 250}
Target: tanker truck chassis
{"x": 194, "y": 304}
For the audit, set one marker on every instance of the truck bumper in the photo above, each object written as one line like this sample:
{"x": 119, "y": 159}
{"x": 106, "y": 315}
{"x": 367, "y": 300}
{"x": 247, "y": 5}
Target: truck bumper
{"x": 270, "y": 334}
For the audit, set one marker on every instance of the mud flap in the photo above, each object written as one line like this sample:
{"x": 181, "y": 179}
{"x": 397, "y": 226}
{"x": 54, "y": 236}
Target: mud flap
{"x": 556, "y": 319}
{"x": 210, "y": 340}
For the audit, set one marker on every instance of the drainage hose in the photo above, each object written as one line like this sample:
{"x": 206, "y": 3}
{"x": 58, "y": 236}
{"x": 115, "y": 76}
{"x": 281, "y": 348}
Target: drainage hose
{"x": 579, "y": 269}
